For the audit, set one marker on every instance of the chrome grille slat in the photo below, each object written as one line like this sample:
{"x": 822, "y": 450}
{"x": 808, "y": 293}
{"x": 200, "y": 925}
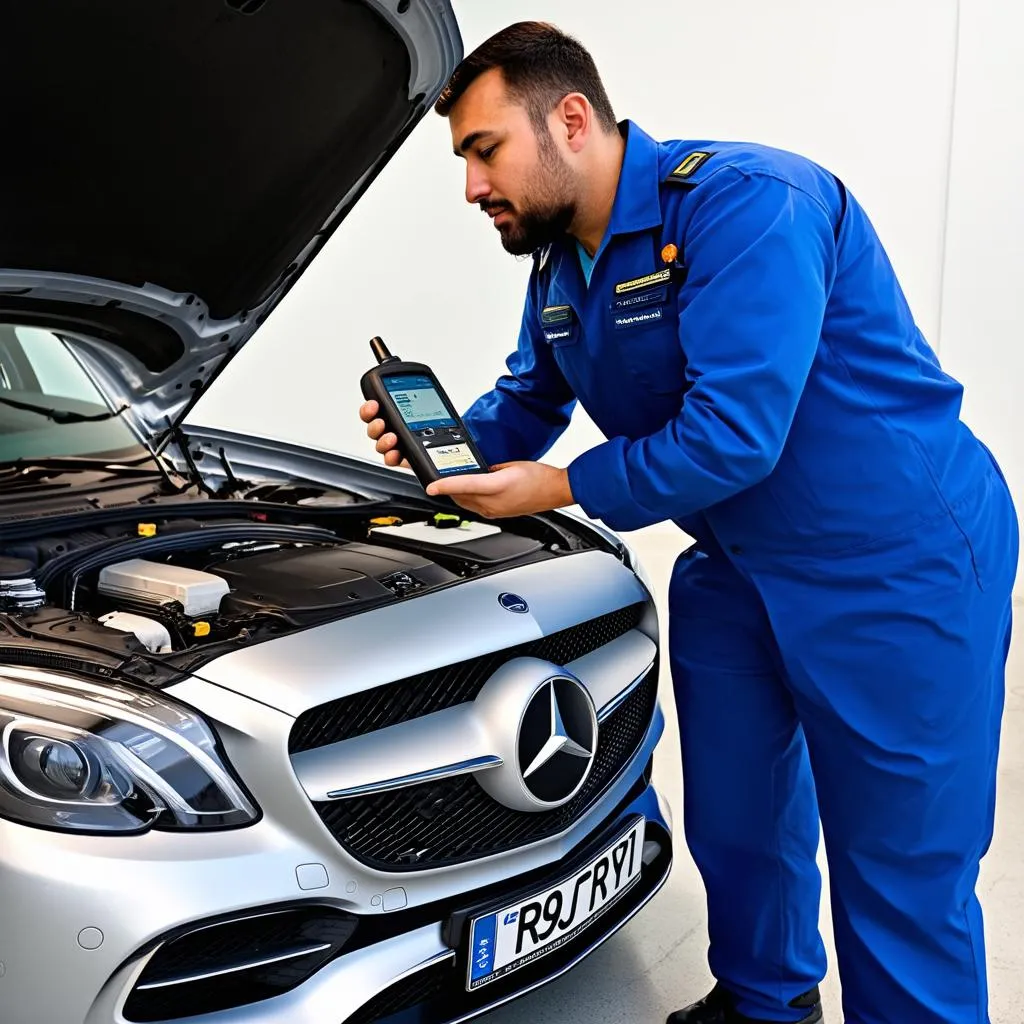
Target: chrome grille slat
{"x": 247, "y": 965}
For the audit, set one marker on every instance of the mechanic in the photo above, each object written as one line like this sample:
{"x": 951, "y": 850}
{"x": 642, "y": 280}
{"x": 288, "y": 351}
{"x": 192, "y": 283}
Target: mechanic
{"x": 838, "y": 635}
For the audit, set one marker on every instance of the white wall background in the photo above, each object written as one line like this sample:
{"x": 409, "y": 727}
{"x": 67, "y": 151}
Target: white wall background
{"x": 982, "y": 309}
{"x": 912, "y": 102}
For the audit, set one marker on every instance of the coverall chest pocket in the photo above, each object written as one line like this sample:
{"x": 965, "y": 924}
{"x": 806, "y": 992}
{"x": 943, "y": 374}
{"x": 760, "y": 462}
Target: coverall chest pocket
{"x": 643, "y": 328}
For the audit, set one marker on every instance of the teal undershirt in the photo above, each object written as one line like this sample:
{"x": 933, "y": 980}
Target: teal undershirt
{"x": 586, "y": 262}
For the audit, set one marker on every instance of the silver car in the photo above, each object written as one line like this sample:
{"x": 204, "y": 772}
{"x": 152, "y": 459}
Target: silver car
{"x": 281, "y": 739}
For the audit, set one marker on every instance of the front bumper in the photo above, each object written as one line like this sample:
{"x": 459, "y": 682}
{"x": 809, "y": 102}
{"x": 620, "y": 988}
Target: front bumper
{"x": 95, "y": 924}
{"x": 419, "y": 975}
{"x": 436, "y": 991}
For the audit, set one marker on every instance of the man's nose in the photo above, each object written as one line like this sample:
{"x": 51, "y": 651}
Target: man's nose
{"x": 477, "y": 185}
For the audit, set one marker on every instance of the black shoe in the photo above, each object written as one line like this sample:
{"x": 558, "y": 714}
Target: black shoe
{"x": 717, "y": 1008}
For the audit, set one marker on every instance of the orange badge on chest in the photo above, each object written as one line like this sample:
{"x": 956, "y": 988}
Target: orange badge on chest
{"x": 669, "y": 253}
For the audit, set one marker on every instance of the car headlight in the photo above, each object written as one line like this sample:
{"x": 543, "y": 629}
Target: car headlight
{"x": 90, "y": 757}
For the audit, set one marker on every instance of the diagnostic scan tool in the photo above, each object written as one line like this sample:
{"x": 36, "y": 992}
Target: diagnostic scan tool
{"x": 415, "y": 408}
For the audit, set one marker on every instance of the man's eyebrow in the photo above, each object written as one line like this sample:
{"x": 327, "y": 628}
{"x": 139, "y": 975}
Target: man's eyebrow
{"x": 471, "y": 139}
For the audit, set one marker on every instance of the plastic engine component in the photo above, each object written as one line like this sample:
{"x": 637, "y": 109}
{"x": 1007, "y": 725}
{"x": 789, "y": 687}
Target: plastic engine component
{"x": 482, "y": 543}
{"x": 153, "y": 583}
{"x": 152, "y": 634}
{"x": 318, "y": 580}
{"x": 440, "y": 533}
{"x": 18, "y": 588}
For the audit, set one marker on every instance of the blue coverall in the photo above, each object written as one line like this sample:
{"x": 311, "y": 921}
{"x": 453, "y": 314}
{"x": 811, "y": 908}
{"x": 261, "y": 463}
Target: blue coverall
{"x": 847, "y": 609}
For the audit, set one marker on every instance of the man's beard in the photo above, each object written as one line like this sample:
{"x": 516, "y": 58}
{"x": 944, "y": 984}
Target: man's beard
{"x": 547, "y": 215}
{"x": 536, "y": 227}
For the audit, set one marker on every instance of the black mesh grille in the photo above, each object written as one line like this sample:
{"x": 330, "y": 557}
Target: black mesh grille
{"x": 453, "y": 821}
{"x": 268, "y": 941}
{"x": 422, "y": 694}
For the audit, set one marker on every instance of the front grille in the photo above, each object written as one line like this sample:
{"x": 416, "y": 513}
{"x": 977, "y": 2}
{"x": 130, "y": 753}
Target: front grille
{"x": 422, "y": 694}
{"x": 455, "y": 820}
{"x": 237, "y": 962}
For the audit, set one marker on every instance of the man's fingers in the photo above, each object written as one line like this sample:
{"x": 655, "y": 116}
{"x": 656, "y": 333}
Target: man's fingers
{"x": 376, "y": 430}
{"x": 385, "y": 443}
{"x": 470, "y": 483}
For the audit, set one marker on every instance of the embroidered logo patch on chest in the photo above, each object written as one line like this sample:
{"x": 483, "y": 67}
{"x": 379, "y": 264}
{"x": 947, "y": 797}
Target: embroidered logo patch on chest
{"x": 647, "y": 281}
{"x": 556, "y": 334}
{"x": 638, "y": 317}
{"x": 643, "y": 298}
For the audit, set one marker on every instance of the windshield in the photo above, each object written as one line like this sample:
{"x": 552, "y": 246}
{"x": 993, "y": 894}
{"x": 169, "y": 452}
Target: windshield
{"x": 38, "y": 369}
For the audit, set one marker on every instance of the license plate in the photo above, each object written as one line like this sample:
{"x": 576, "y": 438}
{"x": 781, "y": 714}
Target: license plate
{"x": 522, "y": 932}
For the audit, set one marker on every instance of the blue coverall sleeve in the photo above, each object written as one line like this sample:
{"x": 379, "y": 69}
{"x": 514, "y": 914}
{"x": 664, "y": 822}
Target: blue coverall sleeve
{"x": 529, "y": 408}
{"x": 760, "y": 255}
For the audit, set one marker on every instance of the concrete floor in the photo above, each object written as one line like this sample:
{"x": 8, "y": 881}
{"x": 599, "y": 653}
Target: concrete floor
{"x": 658, "y": 961}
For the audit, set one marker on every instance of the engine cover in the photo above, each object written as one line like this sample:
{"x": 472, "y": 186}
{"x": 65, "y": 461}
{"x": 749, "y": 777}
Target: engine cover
{"x": 312, "y": 580}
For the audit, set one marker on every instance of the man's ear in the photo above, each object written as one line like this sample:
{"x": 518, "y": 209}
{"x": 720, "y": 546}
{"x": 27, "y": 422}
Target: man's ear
{"x": 575, "y": 119}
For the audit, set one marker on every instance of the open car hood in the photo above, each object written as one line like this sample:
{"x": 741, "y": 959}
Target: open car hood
{"x": 171, "y": 166}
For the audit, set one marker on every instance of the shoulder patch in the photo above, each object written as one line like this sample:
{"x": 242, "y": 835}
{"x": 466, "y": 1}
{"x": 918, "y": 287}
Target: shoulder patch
{"x": 690, "y": 164}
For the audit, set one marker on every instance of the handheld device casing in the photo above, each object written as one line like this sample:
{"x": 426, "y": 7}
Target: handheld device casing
{"x": 417, "y": 410}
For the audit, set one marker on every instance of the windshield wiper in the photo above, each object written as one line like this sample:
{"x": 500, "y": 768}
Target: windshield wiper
{"x": 27, "y": 469}
{"x": 62, "y": 415}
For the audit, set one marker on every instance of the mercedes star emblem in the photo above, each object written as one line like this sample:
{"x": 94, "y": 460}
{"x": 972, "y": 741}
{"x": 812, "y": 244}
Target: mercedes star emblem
{"x": 557, "y": 740}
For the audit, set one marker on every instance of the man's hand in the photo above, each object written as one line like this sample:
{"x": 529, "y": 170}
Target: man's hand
{"x": 376, "y": 431}
{"x": 510, "y": 489}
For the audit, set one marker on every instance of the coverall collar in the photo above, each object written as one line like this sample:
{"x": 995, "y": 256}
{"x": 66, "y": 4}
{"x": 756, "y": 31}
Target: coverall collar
{"x": 637, "y": 205}
{"x": 636, "y": 208}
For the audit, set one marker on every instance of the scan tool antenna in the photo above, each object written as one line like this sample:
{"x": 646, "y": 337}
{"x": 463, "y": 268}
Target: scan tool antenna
{"x": 380, "y": 350}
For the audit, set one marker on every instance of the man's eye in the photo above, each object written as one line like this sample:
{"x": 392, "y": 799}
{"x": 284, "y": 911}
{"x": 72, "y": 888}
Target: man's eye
{"x": 486, "y": 154}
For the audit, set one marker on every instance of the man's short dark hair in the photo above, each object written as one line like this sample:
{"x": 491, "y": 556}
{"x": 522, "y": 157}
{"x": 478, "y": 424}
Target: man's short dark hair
{"x": 540, "y": 66}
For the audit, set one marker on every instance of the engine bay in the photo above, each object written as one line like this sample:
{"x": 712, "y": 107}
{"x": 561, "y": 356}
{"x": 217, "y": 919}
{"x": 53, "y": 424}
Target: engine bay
{"x": 153, "y": 596}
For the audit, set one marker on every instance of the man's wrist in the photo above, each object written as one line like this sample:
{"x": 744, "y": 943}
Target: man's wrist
{"x": 563, "y": 490}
